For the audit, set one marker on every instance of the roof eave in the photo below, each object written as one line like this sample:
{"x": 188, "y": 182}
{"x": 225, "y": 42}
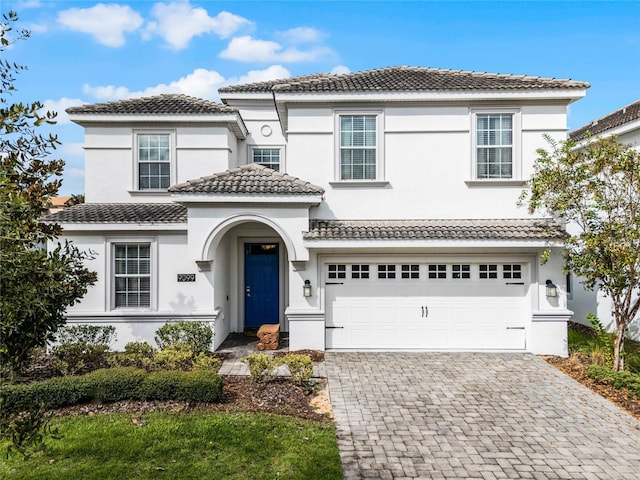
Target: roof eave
{"x": 430, "y": 243}
{"x": 186, "y": 198}
{"x": 568, "y": 95}
{"x": 233, "y": 121}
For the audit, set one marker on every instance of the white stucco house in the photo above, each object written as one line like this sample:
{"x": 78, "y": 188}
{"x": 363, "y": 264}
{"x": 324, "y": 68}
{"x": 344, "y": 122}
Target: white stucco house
{"x": 625, "y": 124}
{"x": 390, "y": 194}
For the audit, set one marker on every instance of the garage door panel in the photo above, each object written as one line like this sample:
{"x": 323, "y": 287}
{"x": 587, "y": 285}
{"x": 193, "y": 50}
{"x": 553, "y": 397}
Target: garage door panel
{"x": 423, "y": 313}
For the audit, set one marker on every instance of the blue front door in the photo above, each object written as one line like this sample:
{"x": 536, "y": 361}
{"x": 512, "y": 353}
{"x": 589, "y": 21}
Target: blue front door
{"x": 261, "y": 285}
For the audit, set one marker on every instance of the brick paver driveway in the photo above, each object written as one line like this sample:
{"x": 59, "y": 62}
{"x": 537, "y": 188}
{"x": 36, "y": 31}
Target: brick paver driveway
{"x": 469, "y": 415}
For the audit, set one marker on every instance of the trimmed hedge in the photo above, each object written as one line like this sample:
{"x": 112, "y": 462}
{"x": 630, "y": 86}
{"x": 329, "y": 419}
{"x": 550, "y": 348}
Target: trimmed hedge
{"x": 111, "y": 385}
{"x": 196, "y": 386}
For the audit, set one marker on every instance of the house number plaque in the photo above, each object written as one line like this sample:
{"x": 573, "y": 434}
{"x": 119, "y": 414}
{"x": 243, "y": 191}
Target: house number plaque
{"x": 186, "y": 277}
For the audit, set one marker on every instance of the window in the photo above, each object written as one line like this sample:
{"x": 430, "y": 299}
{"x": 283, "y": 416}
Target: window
{"x": 488, "y": 271}
{"x": 494, "y": 145}
{"x": 410, "y": 271}
{"x": 358, "y": 147}
{"x": 386, "y": 271}
{"x": 267, "y": 157}
{"x": 132, "y": 275}
{"x": 154, "y": 161}
{"x": 512, "y": 271}
{"x": 460, "y": 271}
{"x": 337, "y": 271}
{"x": 359, "y": 271}
{"x": 437, "y": 271}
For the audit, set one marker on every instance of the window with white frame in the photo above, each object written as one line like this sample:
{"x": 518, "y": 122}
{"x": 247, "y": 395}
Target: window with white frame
{"x": 267, "y": 157}
{"x": 494, "y": 145}
{"x": 358, "y": 146}
{"x": 410, "y": 271}
{"x": 359, "y": 271}
{"x": 459, "y": 271}
{"x": 386, "y": 271}
{"x": 132, "y": 275}
{"x": 154, "y": 161}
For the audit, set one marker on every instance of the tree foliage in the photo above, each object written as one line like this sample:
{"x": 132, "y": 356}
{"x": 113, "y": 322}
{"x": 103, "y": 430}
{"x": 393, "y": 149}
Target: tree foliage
{"x": 597, "y": 189}
{"x": 36, "y": 286}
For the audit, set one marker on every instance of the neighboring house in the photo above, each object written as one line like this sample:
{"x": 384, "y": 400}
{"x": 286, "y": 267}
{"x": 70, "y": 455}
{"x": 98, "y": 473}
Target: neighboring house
{"x": 625, "y": 123}
{"x": 370, "y": 210}
{"x": 55, "y": 204}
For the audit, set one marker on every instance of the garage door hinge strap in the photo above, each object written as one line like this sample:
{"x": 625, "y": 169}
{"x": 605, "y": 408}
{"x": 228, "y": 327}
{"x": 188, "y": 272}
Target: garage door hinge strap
{"x": 328, "y": 326}
{"x": 514, "y": 283}
{"x": 334, "y": 283}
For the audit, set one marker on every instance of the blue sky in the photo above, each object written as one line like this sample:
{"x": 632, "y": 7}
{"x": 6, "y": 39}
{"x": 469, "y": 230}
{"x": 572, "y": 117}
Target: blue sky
{"x": 88, "y": 51}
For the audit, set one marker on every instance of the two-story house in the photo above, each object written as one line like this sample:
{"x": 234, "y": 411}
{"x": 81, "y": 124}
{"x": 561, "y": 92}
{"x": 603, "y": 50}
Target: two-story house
{"x": 370, "y": 210}
{"x": 624, "y": 123}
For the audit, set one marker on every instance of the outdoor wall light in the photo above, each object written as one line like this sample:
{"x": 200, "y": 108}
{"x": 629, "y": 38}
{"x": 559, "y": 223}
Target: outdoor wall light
{"x": 552, "y": 290}
{"x": 306, "y": 289}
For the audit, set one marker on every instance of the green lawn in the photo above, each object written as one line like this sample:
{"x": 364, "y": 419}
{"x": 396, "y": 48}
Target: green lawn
{"x": 183, "y": 446}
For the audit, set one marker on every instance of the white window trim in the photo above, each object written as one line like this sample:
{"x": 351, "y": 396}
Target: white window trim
{"x": 516, "y": 158}
{"x": 283, "y": 165}
{"x": 380, "y": 169}
{"x": 172, "y": 158}
{"x": 110, "y": 244}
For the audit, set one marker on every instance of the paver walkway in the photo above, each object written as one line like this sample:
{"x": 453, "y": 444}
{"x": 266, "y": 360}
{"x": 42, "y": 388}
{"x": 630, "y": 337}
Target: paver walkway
{"x": 470, "y": 415}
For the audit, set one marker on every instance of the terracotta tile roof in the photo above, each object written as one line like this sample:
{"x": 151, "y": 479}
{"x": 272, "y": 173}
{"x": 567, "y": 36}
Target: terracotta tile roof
{"x": 615, "y": 119}
{"x": 121, "y": 213}
{"x": 507, "y": 229}
{"x": 167, "y": 104}
{"x": 412, "y": 79}
{"x": 249, "y": 179}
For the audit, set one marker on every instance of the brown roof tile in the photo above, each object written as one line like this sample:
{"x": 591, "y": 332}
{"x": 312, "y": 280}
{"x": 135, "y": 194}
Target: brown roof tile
{"x": 249, "y": 179}
{"x": 121, "y": 213}
{"x": 509, "y": 229}
{"x": 167, "y": 104}
{"x": 393, "y": 79}
{"x": 615, "y": 119}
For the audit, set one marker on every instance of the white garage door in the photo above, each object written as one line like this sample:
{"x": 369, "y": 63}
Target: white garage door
{"x": 444, "y": 306}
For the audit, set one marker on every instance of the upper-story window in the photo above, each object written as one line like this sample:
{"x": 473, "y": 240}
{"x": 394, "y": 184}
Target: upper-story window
{"x": 268, "y": 157}
{"x": 358, "y": 147}
{"x": 154, "y": 161}
{"x": 495, "y": 145}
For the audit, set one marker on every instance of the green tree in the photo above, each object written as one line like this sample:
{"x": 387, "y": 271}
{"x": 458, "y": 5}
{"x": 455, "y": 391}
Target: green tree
{"x": 596, "y": 188}
{"x": 36, "y": 286}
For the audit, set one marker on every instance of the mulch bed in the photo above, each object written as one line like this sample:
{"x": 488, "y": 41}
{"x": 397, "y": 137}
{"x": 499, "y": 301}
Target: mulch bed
{"x": 316, "y": 355}
{"x": 239, "y": 394}
{"x": 576, "y": 367}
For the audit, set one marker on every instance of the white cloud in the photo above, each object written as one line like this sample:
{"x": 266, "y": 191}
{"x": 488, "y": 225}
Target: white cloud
{"x": 272, "y": 73}
{"x": 340, "y": 70}
{"x": 179, "y": 22}
{"x": 74, "y": 172}
{"x": 302, "y": 35}
{"x": 199, "y": 83}
{"x": 106, "y": 23}
{"x": 35, "y": 27}
{"x": 60, "y": 106}
{"x": 247, "y": 49}
{"x": 25, "y": 4}
{"x": 71, "y": 148}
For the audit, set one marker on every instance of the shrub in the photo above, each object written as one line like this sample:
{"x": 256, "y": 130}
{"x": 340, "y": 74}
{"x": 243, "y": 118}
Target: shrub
{"x": 201, "y": 386}
{"x": 90, "y": 334}
{"x": 178, "y": 356}
{"x": 602, "y": 353}
{"x": 261, "y": 366}
{"x": 52, "y": 393}
{"x": 197, "y": 386}
{"x": 300, "y": 366}
{"x": 78, "y": 358}
{"x": 206, "y": 362}
{"x": 196, "y": 334}
{"x": 622, "y": 379}
{"x": 136, "y": 354}
{"x": 114, "y": 384}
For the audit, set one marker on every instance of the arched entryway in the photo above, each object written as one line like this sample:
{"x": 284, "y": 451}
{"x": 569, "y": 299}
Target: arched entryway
{"x": 251, "y": 268}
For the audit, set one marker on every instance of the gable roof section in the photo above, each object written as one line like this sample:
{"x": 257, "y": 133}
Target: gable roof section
{"x": 166, "y": 104}
{"x": 405, "y": 79}
{"x": 615, "y": 119}
{"x": 109, "y": 213}
{"x": 251, "y": 179}
{"x": 509, "y": 229}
